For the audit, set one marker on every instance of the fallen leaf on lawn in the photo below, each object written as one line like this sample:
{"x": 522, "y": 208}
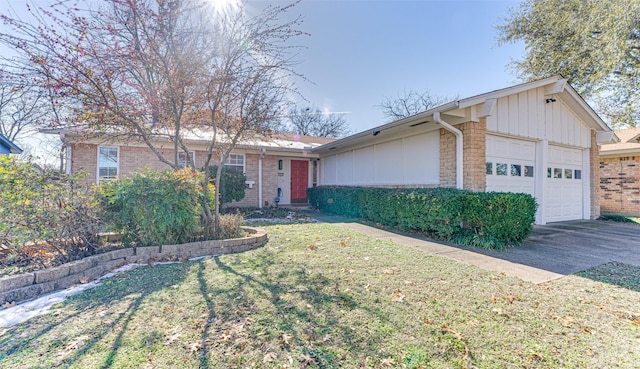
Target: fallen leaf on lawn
{"x": 312, "y": 247}
{"x": 343, "y": 244}
{"x": 195, "y": 347}
{"x": 635, "y": 322}
{"x": 500, "y": 311}
{"x": 537, "y": 356}
{"x": 397, "y": 296}
{"x": 409, "y": 283}
{"x": 566, "y": 321}
{"x": 366, "y": 258}
{"x": 269, "y": 357}
{"x": 285, "y": 339}
{"x": 306, "y": 359}
{"x": 509, "y": 298}
{"x": 326, "y": 338}
{"x": 387, "y": 271}
{"x": 387, "y": 362}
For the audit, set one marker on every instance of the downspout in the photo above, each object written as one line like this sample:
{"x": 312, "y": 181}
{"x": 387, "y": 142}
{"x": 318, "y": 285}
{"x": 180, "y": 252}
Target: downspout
{"x": 260, "y": 177}
{"x": 459, "y": 147}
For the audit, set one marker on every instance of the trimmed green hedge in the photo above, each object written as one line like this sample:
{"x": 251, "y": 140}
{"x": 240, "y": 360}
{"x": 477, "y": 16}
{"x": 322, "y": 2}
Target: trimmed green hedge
{"x": 484, "y": 219}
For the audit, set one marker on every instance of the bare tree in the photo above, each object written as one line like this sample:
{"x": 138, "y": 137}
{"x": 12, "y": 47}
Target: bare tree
{"x": 21, "y": 109}
{"x": 155, "y": 70}
{"x": 315, "y": 122}
{"x": 410, "y": 103}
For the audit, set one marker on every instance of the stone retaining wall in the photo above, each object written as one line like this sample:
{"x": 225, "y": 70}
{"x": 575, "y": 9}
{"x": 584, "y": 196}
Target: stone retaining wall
{"x": 26, "y": 286}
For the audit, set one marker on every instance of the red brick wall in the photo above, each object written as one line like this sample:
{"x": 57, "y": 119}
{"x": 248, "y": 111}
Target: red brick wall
{"x": 620, "y": 185}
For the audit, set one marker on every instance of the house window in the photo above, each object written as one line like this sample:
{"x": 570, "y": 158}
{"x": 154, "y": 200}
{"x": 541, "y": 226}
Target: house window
{"x": 235, "y": 161}
{"x": 185, "y": 159}
{"x": 107, "y": 163}
{"x": 548, "y": 172}
{"x": 516, "y": 170}
{"x": 528, "y": 171}
{"x": 578, "y": 174}
{"x": 568, "y": 173}
{"x": 489, "y": 168}
{"x": 501, "y": 169}
{"x": 557, "y": 172}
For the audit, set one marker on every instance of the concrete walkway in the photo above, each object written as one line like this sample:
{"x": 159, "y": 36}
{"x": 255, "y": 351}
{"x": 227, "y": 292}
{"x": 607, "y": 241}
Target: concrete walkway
{"x": 551, "y": 252}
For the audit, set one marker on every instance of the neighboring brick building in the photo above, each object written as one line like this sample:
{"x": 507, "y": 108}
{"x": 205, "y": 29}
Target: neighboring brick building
{"x": 620, "y": 174}
{"x": 281, "y": 166}
{"x": 539, "y": 138}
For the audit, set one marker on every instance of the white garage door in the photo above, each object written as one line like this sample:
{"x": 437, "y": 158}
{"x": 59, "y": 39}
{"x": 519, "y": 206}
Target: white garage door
{"x": 563, "y": 196}
{"x": 510, "y": 165}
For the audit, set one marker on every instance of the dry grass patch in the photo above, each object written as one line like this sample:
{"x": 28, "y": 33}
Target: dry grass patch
{"x": 319, "y": 296}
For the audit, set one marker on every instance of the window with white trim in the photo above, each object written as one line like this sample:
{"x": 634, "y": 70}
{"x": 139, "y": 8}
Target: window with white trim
{"x": 107, "y": 163}
{"x": 235, "y": 161}
{"x": 185, "y": 160}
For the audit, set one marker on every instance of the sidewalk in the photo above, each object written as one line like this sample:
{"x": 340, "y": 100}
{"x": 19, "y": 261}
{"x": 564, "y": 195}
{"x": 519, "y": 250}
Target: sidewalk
{"x": 461, "y": 254}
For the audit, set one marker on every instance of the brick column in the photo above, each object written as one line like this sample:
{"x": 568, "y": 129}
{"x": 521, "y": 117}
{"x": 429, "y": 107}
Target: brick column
{"x": 475, "y": 155}
{"x": 447, "y": 158}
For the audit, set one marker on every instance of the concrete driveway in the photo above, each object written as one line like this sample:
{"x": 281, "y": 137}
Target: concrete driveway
{"x": 551, "y": 252}
{"x": 570, "y": 247}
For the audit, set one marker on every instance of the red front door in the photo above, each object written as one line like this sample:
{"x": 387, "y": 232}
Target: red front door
{"x": 299, "y": 180}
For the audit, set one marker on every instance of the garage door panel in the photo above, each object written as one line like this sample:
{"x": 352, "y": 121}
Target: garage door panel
{"x": 510, "y": 165}
{"x": 564, "y": 187}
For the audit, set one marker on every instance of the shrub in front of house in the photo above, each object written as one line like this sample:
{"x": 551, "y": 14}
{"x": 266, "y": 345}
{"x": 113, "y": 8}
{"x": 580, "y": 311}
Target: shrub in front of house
{"x": 232, "y": 183}
{"x": 149, "y": 207}
{"x": 483, "y": 219}
{"x": 44, "y": 211}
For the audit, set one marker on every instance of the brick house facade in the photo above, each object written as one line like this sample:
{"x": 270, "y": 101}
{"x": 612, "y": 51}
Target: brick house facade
{"x": 262, "y": 162}
{"x": 619, "y": 180}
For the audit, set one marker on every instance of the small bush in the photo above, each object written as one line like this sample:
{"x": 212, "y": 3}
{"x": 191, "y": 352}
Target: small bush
{"x": 488, "y": 220}
{"x": 229, "y": 226}
{"x": 153, "y": 208}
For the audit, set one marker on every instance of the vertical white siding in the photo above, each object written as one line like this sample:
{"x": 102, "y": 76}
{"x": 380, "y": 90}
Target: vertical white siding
{"x": 528, "y": 115}
{"x": 413, "y": 160}
{"x": 363, "y": 170}
{"x": 344, "y": 170}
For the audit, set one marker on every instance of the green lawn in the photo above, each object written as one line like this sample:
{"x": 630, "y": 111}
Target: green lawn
{"x": 318, "y": 296}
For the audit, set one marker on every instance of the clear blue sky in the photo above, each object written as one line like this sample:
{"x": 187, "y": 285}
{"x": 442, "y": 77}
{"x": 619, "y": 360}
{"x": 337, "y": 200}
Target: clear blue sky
{"x": 360, "y": 51}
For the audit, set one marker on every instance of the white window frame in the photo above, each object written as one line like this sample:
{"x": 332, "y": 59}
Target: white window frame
{"x": 186, "y": 162}
{"x": 98, "y": 177}
{"x": 244, "y": 162}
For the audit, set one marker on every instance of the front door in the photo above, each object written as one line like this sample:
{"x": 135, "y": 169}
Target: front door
{"x": 299, "y": 181}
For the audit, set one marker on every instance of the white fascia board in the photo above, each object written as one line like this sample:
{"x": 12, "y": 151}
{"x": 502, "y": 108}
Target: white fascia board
{"x": 480, "y": 99}
{"x": 369, "y": 134}
{"x": 632, "y": 151}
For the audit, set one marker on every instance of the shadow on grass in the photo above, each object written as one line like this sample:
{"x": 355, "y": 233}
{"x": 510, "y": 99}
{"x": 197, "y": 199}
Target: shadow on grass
{"x": 316, "y": 313}
{"x": 136, "y": 285}
{"x": 615, "y": 273}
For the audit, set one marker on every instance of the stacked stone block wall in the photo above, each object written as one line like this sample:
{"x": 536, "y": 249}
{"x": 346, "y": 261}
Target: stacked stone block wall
{"x": 26, "y": 286}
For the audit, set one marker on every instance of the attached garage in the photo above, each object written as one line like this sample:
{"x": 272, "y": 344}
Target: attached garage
{"x": 539, "y": 138}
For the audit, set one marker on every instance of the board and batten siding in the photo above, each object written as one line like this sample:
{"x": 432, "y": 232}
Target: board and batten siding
{"x": 527, "y": 115}
{"x": 406, "y": 161}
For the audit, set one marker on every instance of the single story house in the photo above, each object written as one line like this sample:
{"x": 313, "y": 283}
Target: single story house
{"x": 7, "y": 147}
{"x": 282, "y": 166}
{"x": 620, "y": 174}
{"x": 539, "y": 138}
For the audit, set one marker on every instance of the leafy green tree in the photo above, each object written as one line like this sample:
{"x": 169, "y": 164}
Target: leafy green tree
{"x": 595, "y": 44}
{"x": 232, "y": 183}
